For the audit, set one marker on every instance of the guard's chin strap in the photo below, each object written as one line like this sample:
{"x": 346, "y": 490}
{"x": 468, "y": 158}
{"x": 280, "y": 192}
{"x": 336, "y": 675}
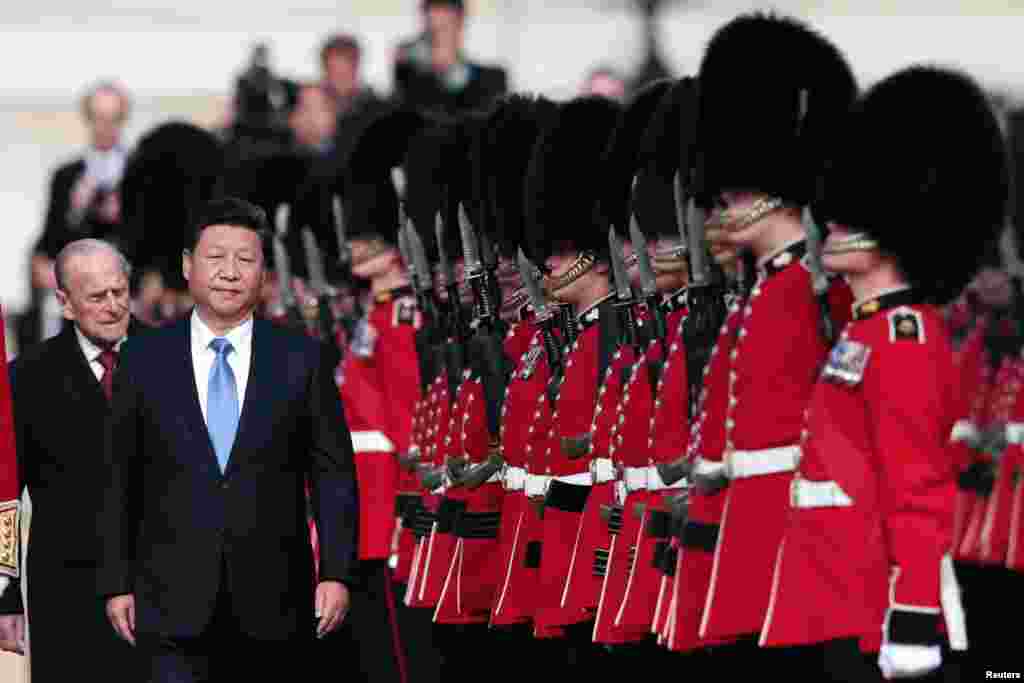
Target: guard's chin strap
{"x": 375, "y": 248}
{"x": 580, "y": 267}
{"x": 858, "y": 241}
{"x": 731, "y": 221}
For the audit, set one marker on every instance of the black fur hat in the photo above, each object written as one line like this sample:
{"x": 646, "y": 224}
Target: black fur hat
{"x": 924, "y": 170}
{"x": 500, "y": 165}
{"x": 772, "y": 94}
{"x": 174, "y": 169}
{"x": 565, "y": 178}
{"x": 369, "y": 197}
{"x": 625, "y": 155}
{"x": 666, "y": 145}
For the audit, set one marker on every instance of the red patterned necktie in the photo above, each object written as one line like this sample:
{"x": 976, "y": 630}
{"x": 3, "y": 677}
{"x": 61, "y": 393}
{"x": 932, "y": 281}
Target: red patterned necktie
{"x": 108, "y": 359}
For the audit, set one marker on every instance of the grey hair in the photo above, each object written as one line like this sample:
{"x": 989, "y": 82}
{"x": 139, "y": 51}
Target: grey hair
{"x": 81, "y": 248}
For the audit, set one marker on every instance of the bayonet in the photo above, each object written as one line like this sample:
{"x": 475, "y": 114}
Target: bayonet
{"x": 451, "y": 285}
{"x": 545, "y": 315}
{"x": 648, "y": 283}
{"x": 282, "y": 267}
{"x": 690, "y": 221}
{"x": 472, "y": 265}
{"x": 344, "y": 253}
{"x": 819, "y": 280}
{"x": 623, "y": 292}
{"x": 314, "y": 263}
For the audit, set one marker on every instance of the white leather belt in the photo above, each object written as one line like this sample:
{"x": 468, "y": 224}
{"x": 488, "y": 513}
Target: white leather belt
{"x": 371, "y": 442}
{"x": 806, "y": 494}
{"x": 636, "y": 478}
{"x": 584, "y": 479}
{"x": 536, "y": 485}
{"x": 708, "y": 468}
{"x": 655, "y": 482}
{"x": 964, "y": 430}
{"x": 1015, "y": 433}
{"x": 496, "y": 478}
{"x": 602, "y": 470}
{"x": 515, "y": 478}
{"x": 744, "y": 464}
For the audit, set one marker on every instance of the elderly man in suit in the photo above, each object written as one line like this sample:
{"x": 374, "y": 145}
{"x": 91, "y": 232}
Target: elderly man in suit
{"x": 61, "y": 391}
{"x": 219, "y": 422}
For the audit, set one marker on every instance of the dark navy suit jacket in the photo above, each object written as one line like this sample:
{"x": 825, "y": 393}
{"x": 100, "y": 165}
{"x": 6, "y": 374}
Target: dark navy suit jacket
{"x": 190, "y": 531}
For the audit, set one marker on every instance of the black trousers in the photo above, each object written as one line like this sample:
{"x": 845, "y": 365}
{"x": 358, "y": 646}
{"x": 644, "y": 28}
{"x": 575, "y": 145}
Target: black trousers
{"x": 223, "y": 653}
{"x": 993, "y": 636}
{"x": 416, "y": 632}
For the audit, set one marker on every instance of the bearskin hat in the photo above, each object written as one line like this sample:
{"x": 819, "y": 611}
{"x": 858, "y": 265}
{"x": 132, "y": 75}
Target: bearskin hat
{"x": 665, "y": 147}
{"x": 772, "y": 93}
{"x": 565, "y": 178}
{"x": 623, "y": 157}
{"x": 369, "y": 197}
{"x": 173, "y": 170}
{"x": 269, "y": 180}
{"x": 923, "y": 152}
{"x": 501, "y": 162}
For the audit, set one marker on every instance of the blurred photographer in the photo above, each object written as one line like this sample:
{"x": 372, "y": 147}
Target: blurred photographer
{"x": 432, "y": 72}
{"x": 84, "y": 201}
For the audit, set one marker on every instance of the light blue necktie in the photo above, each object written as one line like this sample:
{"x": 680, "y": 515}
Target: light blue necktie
{"x": 222, "y": 403}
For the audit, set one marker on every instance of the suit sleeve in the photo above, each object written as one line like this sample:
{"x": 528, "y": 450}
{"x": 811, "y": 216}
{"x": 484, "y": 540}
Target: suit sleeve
{"x": 119, "y": 512}
{"x": 910, "y": 431}
{"x": 335, "y": 496}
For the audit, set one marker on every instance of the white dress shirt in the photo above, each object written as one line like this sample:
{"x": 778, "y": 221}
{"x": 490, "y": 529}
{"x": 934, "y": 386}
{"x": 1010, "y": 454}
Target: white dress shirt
{"x": 105, "y": 167}
{"x": 240, "y": 358}
{"x": 92, "y": 352}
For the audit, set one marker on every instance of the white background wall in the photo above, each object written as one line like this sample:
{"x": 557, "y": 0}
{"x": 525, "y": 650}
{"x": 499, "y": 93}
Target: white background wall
{"x": 180, "y": 59}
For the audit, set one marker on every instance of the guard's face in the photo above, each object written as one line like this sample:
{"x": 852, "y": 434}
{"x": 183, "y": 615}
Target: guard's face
{"x": 848, "y": 263}
{"x": 735, "y": 206}
{"x": 372, "y": 258}
{"x": 226, "y": 272}
{"x": 97, "y": 297}
{"x": 558, "y": 264}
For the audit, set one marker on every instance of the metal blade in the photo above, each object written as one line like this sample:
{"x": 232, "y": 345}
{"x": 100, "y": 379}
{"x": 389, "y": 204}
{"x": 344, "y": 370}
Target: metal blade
{"x": 281, "y": 219}
{"x": 470, "y": 249}
{"x": 691, "y": 229}
{"x": 487, "y": 252}
{"x": 419, "y": 257}
{"x": 344, "y": 255}
{"x": 314, "y": 262}
{"x": 647, "y": 279}
{"x": 403, "y": 250}
{"x": 531, "y": 282}
{"x": 622, "y": 290}
{"x": 442, "y": 256}
{"x": 282, "y": 266}
{"x": 818, "y": 278}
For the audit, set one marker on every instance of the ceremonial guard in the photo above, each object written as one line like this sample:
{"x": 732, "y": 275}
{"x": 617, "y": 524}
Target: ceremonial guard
{"x": 652, "y": 432}
{"x": 380, "y": 376}
{"x": 872, "y": 505}
{"x": 759, "y": 165}
{"x": 569, "y": 238}
{"x": 603, "y": 517}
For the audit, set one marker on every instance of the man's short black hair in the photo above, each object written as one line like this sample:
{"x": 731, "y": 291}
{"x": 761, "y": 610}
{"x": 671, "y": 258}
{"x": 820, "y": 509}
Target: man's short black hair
{"x": 231, "y": 211}
{"x": 341, "y": 42}
{"x": 457, "y": 5}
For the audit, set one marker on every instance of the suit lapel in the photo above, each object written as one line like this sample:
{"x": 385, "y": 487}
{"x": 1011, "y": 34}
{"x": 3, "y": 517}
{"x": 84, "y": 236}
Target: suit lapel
{"x": 79, "y": 378}
{"x": 190, "y": 399}
{"x": 256, "y": 411}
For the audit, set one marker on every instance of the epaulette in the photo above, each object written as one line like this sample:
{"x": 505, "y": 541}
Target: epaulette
{"x": 906, "y": 324}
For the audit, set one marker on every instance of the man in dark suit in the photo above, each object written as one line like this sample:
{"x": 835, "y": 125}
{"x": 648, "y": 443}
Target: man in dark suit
{"x": 218, "y": 423}
{"x": 433, "y": 74}
{"x": 61, "y": 394}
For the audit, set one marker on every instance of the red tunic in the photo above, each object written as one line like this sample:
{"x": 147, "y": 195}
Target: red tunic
{"x": 773, "y": 360}
{"x": 871, "y": 517}
{"x": 10, "y": 489}
{"x": 379, "y": 387}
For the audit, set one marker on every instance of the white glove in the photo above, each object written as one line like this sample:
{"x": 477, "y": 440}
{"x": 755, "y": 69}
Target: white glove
{"x": 908, "y": 661}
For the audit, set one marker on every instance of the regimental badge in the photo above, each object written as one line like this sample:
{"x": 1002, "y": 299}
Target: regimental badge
{"x": 846, "y": 362}
{"x": 10, "y": 535}
{"x": 906, "y": 324}
{"x": 530, "y": 362}
{"x": 404, "y": 312}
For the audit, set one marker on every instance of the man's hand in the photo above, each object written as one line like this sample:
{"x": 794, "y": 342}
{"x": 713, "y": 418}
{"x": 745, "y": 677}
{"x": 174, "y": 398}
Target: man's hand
{"x": 12, "y": 633}
{"x": 332, "y": 603}
{"x": 121, "y": 612}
